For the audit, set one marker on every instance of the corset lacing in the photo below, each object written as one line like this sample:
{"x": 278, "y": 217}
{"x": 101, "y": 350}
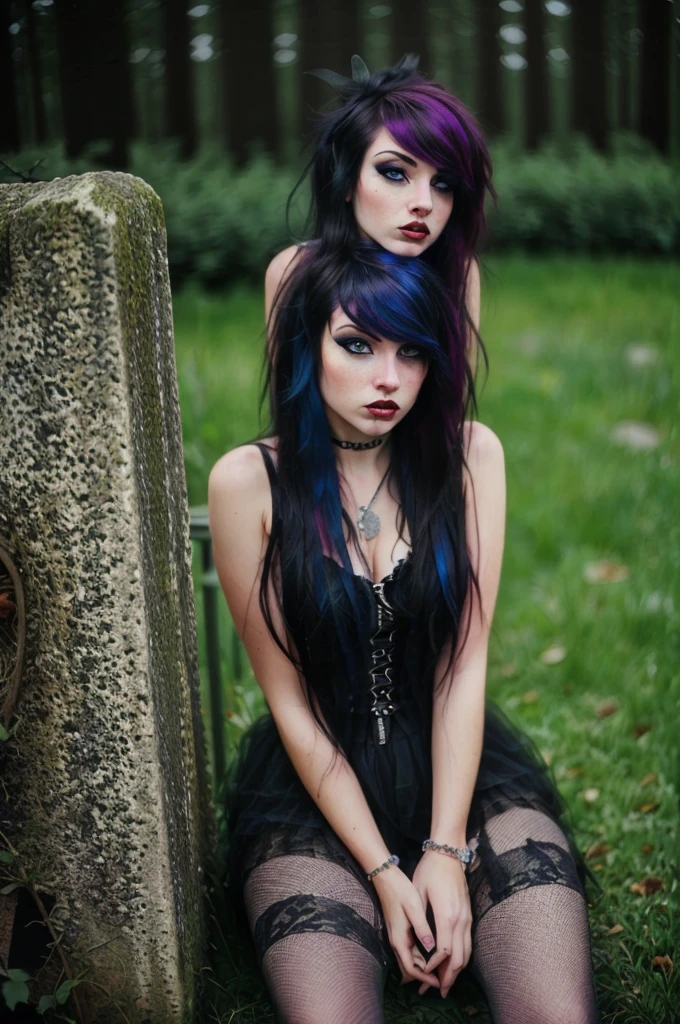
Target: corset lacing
{"x": 382, "y": 649}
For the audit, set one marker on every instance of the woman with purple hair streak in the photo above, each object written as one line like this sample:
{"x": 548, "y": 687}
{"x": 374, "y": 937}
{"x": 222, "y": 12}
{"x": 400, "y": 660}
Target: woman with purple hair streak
{"x": 382, "y": 814}
{"x": 403, "y": 163}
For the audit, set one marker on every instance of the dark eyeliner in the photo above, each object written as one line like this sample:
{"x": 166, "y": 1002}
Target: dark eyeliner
{"x": 385, "y": 168}
{"x": 345, "y": 340}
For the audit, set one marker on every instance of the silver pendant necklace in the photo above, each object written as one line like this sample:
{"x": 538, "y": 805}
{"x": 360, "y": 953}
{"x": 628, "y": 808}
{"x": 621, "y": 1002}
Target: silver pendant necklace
{"x": 368, "y": 521}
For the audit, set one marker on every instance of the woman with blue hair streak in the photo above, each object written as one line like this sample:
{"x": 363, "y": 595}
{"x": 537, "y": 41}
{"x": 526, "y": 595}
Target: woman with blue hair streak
{"x": 382, "y": 814}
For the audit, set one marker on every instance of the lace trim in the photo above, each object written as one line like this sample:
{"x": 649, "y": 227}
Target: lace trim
{"x": 309, "y": 913}
{"x": 500, "y": 875}
{"x": 317, "y": 843}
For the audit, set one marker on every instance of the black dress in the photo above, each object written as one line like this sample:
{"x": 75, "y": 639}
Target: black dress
{"x": 316, "y": 922}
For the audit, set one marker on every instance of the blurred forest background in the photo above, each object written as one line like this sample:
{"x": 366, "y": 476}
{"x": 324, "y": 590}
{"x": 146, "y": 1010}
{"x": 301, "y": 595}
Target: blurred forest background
{"x": 209, "y": 103}
{"x": 230, "y": 72}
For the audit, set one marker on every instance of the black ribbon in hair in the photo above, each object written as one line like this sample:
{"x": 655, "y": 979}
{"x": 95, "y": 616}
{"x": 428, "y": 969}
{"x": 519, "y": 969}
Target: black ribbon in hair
{"x": 362, "y": 82}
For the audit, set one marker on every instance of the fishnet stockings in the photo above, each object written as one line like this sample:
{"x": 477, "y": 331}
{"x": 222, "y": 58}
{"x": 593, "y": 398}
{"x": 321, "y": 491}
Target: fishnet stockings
{"x": 531, "y": 950}
{"x": 319, "y": 932}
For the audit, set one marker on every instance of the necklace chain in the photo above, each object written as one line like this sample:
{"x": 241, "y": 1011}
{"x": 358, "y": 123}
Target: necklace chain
{"x": 368, "y": 521}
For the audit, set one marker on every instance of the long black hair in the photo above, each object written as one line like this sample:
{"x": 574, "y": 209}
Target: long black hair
{"x": 403, "y": 300}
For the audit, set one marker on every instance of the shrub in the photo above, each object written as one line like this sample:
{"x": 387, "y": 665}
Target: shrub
{"x": 580, "y": 201}
{"x": 225, "y": 223}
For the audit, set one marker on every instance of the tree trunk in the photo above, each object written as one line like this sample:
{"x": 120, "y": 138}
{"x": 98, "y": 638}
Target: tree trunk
{"x": 410, "y": 31}
{"x": 330, "y": 33}
{"x": 250, "y": 90}
{"x": 656, "y": 22}
{"x": 537, "y": 92}
{"x": 95, "y": 79}
{"x": 489, "y": 96}
{"x": 10, "y": 135}
{"x": 74, "y": 77}
{"x": 180, "y": 123}
{"x": 588, "y": 69}
{"x": 115, "y": 110}
{"x": 39, "y": 118}
{"x": 624, "y": 26}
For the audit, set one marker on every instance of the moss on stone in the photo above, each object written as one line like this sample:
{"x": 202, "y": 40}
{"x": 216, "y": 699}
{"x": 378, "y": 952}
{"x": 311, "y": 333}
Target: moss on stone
{"x": 107, "y": 774}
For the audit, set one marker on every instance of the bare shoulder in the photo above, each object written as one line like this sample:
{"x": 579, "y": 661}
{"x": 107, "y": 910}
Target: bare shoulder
{"x": 481, "y": 444}
{"x": 240, "y": 477}
{"x": 472, "y": 274}
{"x": 473, "y": 289}
{"x": 281, "y": 264}
{"x": 485, "y": 497}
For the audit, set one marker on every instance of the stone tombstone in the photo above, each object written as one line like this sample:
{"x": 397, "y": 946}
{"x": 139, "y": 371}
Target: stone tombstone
{"x": 103, "y": 783}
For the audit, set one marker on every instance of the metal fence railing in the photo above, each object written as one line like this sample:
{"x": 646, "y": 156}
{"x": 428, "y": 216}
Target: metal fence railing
{"x": 210, "y": 585}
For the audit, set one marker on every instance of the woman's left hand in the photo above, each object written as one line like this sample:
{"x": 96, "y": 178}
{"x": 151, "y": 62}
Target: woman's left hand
{"x": 441, "y": 883}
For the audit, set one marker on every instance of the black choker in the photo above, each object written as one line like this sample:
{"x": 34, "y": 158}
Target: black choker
{"x": 357, "y": 446}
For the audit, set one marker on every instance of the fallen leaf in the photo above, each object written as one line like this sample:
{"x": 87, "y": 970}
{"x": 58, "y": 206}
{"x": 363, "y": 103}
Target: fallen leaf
{"x": 648, "y": 807}
{"x": 641, "y": 354}
{"x": 636, "y": 991}
{"x": 641, "y": 729}
{"x": 605, "y": 572}
{"x": 615, "y": 929}
{"x": 573, "y": 773}
{"x": 553, "y": 655}
{"x": 646, "y": 848}
{"x": 547, "y": 756}
{"x": 590, "y": 795}
{"x": 508, "y": 670}
{"x": 597, "y": 850}
{"x": 663, "y": 964}
{"x": 530, "y": 697}
{"x": 648, "y": 885}
{"x": 649, "y": 778}
{"x": 471, "y": 1011}
{"x": 610, "y": 707}
{"x": 598, "y": 867}
{"x": 639, "y": 436}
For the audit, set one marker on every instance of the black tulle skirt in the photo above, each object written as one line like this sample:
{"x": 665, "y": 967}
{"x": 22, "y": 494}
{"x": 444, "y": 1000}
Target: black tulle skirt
{"x": 266, "y": 798}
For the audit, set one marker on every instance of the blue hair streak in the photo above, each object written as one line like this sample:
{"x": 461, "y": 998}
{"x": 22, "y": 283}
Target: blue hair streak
{"x": 401, "y": 300}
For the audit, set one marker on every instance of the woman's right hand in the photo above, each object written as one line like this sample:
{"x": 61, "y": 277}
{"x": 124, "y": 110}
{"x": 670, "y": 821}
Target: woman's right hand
{"x": 405, "y": 918}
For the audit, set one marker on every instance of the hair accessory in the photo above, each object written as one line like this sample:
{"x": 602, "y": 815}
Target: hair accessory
{"x": 357, "y": 446}
{"x": 350, "y": 88}
{"x": 462, "y": 853}
{"x": 368, "y": 521}
{"x": 392, "y": 859}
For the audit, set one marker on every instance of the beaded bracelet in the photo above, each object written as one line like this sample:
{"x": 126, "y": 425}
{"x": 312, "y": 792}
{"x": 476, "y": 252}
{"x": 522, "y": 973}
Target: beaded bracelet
{"x": 392, "y": 859}
{"x": 463, "y": 853}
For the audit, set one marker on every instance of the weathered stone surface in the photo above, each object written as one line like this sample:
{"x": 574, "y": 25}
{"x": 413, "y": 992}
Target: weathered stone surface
{"x": 103, "y": 785}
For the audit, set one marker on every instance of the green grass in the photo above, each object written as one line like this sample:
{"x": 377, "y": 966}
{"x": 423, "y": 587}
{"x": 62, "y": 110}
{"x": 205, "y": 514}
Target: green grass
{"x": 561, "y": 379}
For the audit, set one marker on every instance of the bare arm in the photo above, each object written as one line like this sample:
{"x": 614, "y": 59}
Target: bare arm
{"x": 239, "y": 505}
{"x": 473, "y": 288}
{"x": 458, "y": 711}
{"x": 277, "y": 271}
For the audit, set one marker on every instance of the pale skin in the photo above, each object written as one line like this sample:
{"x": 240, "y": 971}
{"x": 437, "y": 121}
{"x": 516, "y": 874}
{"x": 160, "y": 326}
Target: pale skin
{"x": 394, "y": 188}
{"x": 354, "y": 374}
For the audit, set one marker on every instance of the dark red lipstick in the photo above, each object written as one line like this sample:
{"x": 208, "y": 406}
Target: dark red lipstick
{"x": 416, "y": 231}
{"x": 383, "y": 410}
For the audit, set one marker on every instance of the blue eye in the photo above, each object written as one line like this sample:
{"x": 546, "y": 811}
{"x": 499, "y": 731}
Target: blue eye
{"x": 412, "y": 352}
{"x": 391, "y": 173}
{"x": 357, "y": 346}
{"x": 442, "y": 185}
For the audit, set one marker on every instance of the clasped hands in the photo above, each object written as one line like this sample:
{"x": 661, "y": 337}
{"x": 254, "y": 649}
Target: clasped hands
{"x": 438, "y": 883}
